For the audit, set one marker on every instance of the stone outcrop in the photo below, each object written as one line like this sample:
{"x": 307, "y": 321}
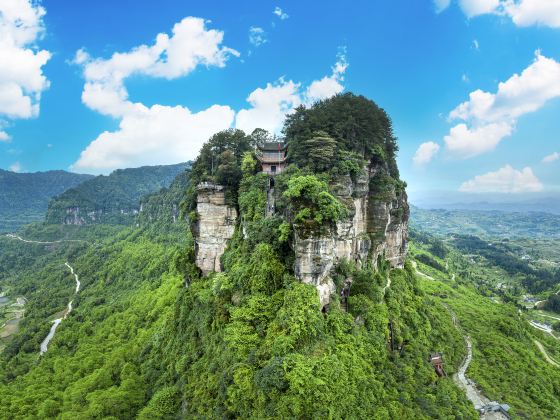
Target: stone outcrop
{"x": 214, "y": 226}
{"x": 376, "y": 228}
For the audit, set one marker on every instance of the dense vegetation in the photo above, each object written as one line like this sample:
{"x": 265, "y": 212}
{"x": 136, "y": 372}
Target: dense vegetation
{"x": 507, "y": 365}
{"x": 24, "y": 196}
{"x": 114, "y": 198}
{"x": 150, "y": 337}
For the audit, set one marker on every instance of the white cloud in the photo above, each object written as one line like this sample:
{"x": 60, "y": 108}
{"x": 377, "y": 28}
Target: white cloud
{"x": 504, "y": 180}
{"x": 270, "y": 105}
{"x": 15, "y": 167}
{"x": 157, "y": 134}
{"x": 425, "y": 153}
{"x": 329, "y": 85}
{"x": 478, "y": 7}
{"x": 280, "y": 13}
{"x": 522, "y": 12}
{"x": 21, "y": 74}
{"x": 441, "y": 5}
{"x": 465, "y": 78}
{"x": 476, "y": 45}
{"x": 468, "y": 142}
{"x": 4, "y": 136}
{"x": 551, "y": 158}
{"x": 257, "y": 36}
{"x": 154, "y": 136}
{"x": 490, "y": 117}
{"x": 161, "y": 134}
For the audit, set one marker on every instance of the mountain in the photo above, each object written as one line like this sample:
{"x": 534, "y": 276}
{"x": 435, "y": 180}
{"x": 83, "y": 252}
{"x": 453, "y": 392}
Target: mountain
{"x": 114, "y": 198}
{"x": 547, "y": 202}
{"x": 24, "y": 197}
{"x": 163, "y": 206}
{"x": 293, "y": 292}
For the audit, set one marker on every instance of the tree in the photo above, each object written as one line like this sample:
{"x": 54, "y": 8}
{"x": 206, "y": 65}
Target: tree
{"x": 320, "y": 148}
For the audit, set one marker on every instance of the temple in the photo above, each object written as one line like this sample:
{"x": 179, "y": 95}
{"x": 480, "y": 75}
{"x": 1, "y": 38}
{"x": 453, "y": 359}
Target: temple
{"x": 272, "y": 156}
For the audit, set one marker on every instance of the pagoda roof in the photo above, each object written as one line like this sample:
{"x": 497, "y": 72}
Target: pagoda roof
{"x": 272, "y": 146}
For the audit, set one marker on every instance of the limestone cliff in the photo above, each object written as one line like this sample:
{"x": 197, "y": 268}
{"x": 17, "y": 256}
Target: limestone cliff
{"x": 376, "y": 227}
{"x": 214, "y": 226}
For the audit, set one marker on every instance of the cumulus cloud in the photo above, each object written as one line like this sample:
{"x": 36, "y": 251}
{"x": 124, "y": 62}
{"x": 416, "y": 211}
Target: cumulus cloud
{"x": 280, "y": 13}
{"x": 551, "y": 158}
{"x": 21, "y": 62}
{"x": 257, "y": 36}
{"x": 504, "y": 180}
{"x": 157, "y": 134}
{"x": 161, "y": 134}
{"x": 270, "y": 105}
{"x": 491, "y": 117}
{"x": 521, "y": 12}
{"x": 425, "y": 153}
{"x": 4, "y": 136}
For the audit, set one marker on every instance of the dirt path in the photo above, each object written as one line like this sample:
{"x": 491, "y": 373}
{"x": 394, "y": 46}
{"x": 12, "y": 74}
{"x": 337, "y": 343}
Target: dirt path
{"x": 545, "y": 354}
{"x": 415, "y": 265}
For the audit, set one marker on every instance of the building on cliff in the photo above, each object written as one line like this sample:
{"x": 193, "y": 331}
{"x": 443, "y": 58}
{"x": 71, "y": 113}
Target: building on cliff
{"x": 272, "y": 156}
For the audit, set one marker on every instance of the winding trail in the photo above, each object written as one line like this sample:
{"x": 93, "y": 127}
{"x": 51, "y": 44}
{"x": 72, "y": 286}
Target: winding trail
{"x": 545, "y": 354}
{"x": 474, "y": 395}
{"x": 415, "y": 265}
{"x": 56, "y": 322}
{"x": 19, "y": 238}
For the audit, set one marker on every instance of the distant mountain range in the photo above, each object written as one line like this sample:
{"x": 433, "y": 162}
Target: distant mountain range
{"x": 24, "y": 197}
{"x": 542, "y": 202}
{"x": 114, "y": 198}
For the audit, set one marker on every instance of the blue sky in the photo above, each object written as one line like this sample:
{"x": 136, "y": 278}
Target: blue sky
{"x": 79, "y": 106}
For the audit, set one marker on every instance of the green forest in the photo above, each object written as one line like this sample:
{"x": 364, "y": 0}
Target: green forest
{"x": 151, "y": 337}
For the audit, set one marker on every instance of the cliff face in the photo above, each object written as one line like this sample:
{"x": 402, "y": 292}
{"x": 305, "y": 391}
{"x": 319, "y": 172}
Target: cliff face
{"x": 214, "y": 226}
{"x": 376, "y": 226}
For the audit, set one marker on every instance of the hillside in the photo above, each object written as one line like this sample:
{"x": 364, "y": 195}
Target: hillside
{"x": 114, "y": 198}
{"x": 24, "y": 197}
{"x": 297, "y": 294}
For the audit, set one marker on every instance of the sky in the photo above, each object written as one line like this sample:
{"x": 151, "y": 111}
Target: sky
{"x": 472, "y": 86}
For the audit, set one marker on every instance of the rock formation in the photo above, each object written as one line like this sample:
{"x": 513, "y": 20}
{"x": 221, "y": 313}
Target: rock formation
{"x": 214, "y": 226}
{"x": 376, "y": 228}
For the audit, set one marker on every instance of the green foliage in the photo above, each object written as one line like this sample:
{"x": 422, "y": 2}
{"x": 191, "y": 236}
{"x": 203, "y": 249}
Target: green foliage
{"x": 111, "y": 199}
{"x": 25, "y": 196}
{"x": 94, "y": 366}
{"x": 320, "y": 150}
{"x": 314, "y": 207}
{"x": 354, "y": 122}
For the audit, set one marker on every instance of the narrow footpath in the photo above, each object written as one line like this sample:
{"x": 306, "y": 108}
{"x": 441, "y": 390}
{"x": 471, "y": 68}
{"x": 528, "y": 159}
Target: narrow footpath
{"x": 545, "y": 354}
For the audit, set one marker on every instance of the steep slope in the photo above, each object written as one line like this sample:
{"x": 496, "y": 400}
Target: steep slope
{"x": 254, "y": 337}
{"x": 111, "y": 199}
{"x": 24, "y": 197}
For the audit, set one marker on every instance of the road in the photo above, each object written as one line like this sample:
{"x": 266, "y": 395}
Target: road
{"x": 19, "y": 238}
{"x": 56, "y": 322}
